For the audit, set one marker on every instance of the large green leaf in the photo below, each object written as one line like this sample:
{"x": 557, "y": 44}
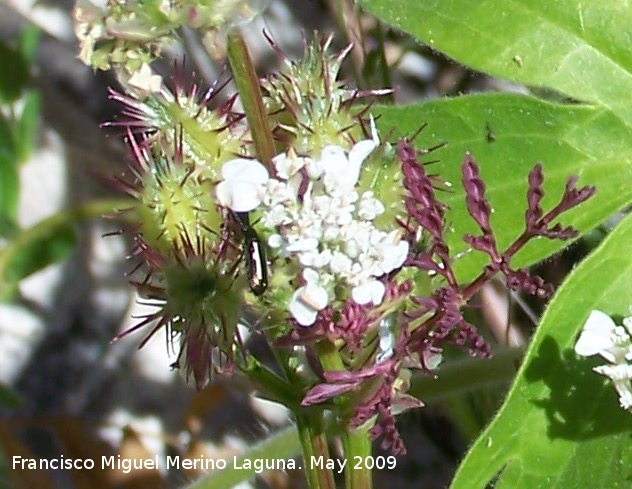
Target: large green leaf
{"x": 576, "y": 47}
{"x": 561, "y": 425}
{"x": 507, "y": 134}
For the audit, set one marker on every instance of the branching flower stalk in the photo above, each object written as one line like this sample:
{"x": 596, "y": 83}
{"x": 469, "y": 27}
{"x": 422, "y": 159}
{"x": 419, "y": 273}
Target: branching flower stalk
{"x": 315, "y": 235}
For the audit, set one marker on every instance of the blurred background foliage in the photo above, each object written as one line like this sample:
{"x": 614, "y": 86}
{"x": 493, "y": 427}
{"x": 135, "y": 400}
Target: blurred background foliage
{"x": 67, "y": 390}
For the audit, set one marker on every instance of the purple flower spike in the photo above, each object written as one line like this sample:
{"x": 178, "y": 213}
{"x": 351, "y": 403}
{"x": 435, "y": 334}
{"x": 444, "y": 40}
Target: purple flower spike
{"x": 534, "y": 196}
{"x": 538, "y": 224}
{"x": 477, "y": 205}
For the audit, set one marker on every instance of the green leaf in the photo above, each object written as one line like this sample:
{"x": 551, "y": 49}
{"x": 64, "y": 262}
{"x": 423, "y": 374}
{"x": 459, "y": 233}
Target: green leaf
{"x": 28, "y": 42}
{"x": 48, "y": 241}
{"x": 507, "y": 135}
{"x": 579, "y": 48}
{"x": 8, "y": 398}
{"x": 49, "y": 247}
{"x": 9, "y": 185}
{"x": 561, "y": 425}
{"x": 26, "y": 127}
{"x": 284, "y": 444}
{"x": 9, "y": 189}
{"x": 8, "y": 226}
{"x": 5, "y": 480}
{"x": 13, "y": 75}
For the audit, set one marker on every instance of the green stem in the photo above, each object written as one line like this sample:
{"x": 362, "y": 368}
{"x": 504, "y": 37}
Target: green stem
{"x": 274, "y": 387}
{"x": 281, "y": 445}
{"x": 315, "y": 448}
{"x": 497, "y": 370}
{"x": 44, "y": 228}
{"x": 329, "y": 356}
{"x": 251, "y": 98}
{"x": 356, "y": 443}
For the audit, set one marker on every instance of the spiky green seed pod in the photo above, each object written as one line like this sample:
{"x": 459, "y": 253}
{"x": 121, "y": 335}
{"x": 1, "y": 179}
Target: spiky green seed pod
{"x": 309, "y": 107}
{"x": 208, "y": 137}
{"x": 382, "y": 174}
{"x": 175, "y": 204}
{"x": 194, "y": 263}
{"x": 199, "y": 296}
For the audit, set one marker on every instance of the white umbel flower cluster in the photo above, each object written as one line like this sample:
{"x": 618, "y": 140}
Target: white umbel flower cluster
{"x": 614, "y": 343}
{"x": 319, "y": 218}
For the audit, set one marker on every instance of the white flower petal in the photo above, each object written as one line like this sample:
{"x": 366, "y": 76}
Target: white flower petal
{"x": 595, "y": 337}
{"x": 146, "y": 81}
{"x": 311, "y": 276}
{"x": 238, "y": 196}
{"x": 275, "y": 241}
{"x": 243, "y": 184}
{"x": 315, "y": 295}
{"x": 306, "y": 302}
{"x": 244, "y": 170}
{"x": 282, "y": 165}
{"x": 304, "y": 315}
{"x": 333, "y": 159}
{"x": 393, "y": 257}
{"x": 314, "y": 168}
{"x": 303, "y": 244}
{"x": 371, "y": 291}
{"x": 360, "y": 152}
{"x": 620, "y": 376}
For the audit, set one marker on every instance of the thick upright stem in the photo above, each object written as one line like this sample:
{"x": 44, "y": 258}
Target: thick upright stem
{"x": 251, "y": 98}
{"x": 315, "y": 448}
{"x": 356, "y": 443}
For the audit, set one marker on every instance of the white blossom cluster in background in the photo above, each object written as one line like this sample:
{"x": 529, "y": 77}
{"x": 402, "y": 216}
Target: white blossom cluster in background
{"x": 319, "y": 218}
{"x": 614, "y": 343}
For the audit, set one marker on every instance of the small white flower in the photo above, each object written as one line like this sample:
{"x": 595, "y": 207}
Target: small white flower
{"x": 386, "y": 341}
{"x": 297, "y": 244}
{"x": 288, "y": 164}
{"x": 307, "y": 301}
{"x": 602, "y": 336}
{"x": 341, "y": 174}
{"x": 340, "y": 263}
{"x": 242, "y": 186}
{"x": 341, "y": 170}
{"x": 275, "y": 241}
{"x": 315, "y": 260}
{"x": 370, "y": 291}
{"x": 370, "y": 207}
{"x": 392, "y": 256}
{"x": 597, "y": 337}
{"x": 145, "y": 81}
{"x": 276, "y": 216}
{"x": 276, "y": 193}
{"x": 620, "y": 375}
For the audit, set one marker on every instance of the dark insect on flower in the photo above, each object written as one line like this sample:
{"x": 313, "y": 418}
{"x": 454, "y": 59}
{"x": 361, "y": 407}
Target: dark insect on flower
{"x": 254, "y": 254}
